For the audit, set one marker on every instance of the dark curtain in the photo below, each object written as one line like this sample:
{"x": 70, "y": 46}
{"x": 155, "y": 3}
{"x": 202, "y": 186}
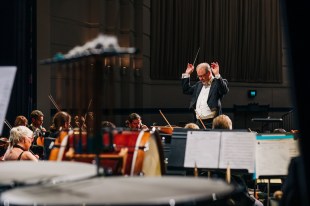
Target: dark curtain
{"x": 244, "y": 36}
{"x": 18, "y": 48}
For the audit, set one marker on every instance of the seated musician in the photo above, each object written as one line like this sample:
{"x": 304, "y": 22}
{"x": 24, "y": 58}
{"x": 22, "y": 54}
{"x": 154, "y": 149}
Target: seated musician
{"x": 4, "y": 143}
{"x": 21, "y": 121}
{"x": 108, "y": 124}
{"x": 191, "y": 125}
{"x": 61, "y": 123}
{"x": 20, "y": 141}
{"x": 37, "y": 144}
{"x": 222, "y": 122}
{"x": 79, "y": 122}
{"x": 134, "y": 122}
{"x": 39, "y": 131}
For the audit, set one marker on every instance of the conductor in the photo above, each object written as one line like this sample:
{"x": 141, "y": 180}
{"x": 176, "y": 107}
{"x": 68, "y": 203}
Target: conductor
{"x": 207, "y": 93}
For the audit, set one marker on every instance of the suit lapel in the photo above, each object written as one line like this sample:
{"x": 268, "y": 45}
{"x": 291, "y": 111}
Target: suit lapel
{"x": 212, "y": 86}
{"x": 199, "y": 87}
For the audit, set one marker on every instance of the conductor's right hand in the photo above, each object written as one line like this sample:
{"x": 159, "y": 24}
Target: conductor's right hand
{"x": 189, "y": 69}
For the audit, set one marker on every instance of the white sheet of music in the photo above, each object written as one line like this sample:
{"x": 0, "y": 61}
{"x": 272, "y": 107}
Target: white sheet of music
{"x": 273, "y": 154}
{"x": 238, "y": 150}
{"x": 7, "y": 76}
{"x": 217, "y": 149}
{"x": 202, "y": 148}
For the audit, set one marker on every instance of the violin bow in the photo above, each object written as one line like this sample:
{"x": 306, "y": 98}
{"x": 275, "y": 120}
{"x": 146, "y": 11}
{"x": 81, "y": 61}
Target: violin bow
{"x": 85, "y": 116}
{"x": 7, "y": 124}
{"x": 200, "y": 120}
{"x": 165, "y": 118}
{"x": 54, "y": 102}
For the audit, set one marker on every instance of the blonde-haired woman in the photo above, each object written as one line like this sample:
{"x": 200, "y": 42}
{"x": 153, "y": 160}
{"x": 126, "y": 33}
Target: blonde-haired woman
{"x": 20, "y": 140}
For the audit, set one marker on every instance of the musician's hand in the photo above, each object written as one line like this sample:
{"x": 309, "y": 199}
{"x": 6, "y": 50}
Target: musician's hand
{"x": 144, "y": 127}
{"x": 189, "y": 69}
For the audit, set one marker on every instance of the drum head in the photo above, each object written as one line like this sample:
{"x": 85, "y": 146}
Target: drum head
{"x": 29, "y": 172}
{"x": 168, "y": 190}
{"x": 153, "y": 161}
{"x": 148, "y": 161}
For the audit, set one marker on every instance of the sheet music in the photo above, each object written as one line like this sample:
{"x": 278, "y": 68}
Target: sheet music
{"x": 273, "y": 154}
{"x": 238, "y": 150}
{"x": 202, "y": 148}
{"x": 7, "y": 76}
{"x": 216, "y": 149}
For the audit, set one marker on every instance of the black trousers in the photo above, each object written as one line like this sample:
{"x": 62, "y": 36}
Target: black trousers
{"x": 207, "y": 123}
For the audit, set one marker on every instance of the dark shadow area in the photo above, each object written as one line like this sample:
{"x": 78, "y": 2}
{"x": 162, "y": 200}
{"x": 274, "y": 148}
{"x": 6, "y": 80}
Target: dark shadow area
{"x": 297, "y": 14}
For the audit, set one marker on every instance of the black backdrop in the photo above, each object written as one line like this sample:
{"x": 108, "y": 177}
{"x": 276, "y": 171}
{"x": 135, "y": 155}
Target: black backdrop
{"x": 18, "y": 48}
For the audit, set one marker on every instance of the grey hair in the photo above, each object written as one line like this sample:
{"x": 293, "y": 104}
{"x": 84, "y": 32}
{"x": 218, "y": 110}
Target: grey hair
{"x": 17, "y": 134}
{"x": 204, "y": 65}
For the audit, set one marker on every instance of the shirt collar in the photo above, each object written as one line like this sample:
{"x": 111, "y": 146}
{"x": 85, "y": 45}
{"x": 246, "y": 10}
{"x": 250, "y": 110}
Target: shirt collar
{"x": 209, "y": 82}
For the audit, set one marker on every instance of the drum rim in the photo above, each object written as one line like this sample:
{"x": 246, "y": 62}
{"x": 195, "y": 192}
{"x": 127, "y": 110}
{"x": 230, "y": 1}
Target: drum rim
{"x": 177, "y": 196}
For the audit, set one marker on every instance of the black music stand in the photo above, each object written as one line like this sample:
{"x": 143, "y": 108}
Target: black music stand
{"x": 266, "y": 121}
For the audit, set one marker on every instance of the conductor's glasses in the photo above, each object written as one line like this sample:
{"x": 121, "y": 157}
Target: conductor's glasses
{"x": 202, "y": 75}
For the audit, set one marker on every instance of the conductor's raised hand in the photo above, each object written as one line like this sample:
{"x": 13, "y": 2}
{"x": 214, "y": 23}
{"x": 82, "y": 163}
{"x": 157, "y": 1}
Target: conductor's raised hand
{"x": 189, "y": 69}
{"x": 215, "y": 68}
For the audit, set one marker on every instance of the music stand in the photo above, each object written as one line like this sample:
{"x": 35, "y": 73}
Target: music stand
{"x": 267, "y": 121}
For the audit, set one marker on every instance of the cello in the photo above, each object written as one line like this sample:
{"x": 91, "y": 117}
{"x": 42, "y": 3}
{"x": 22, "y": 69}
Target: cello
{"x": 61, "y": 149}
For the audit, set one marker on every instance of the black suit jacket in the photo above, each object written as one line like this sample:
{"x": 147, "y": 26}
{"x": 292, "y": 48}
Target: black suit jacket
{"x": 219, "y": 87}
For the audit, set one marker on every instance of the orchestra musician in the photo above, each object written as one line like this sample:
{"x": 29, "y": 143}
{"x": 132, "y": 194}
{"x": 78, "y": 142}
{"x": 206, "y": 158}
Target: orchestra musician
{"x": 134, "y": 122}
{"x": 108, "y": 124}
{"x": 20, "y": 140}
{"x": 207, "y": 93}
{"x": 4, "y": 143}
{"x": 79, "y": 122}
{"x": 222, "y": 122}
{"x": 21, "y": 121}
{"x": 61, "y": 122}
{"x": 39, "y": 131}
{"x": 58, "y": 130}
{"x": 191, "y": 125}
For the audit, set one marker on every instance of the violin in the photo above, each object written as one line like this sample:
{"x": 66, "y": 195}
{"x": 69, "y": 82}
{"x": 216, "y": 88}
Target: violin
{"x": 40, "y": 134}
{"x": 165, "y": 129}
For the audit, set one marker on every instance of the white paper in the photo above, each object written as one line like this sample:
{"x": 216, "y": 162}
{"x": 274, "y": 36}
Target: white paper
{"x": 273, "y": 155}
{"x": 238, "y": 150}
{"x": 7, "y": 76}
{"x": 217, "y": 149}
{"x": 202, "y": 149}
